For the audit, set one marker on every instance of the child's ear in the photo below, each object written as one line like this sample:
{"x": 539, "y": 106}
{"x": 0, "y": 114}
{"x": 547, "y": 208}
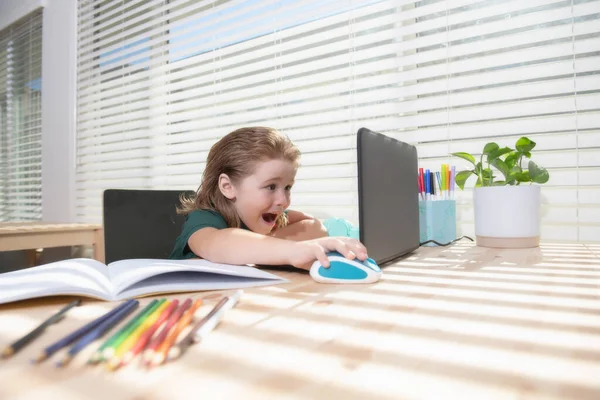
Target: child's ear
{"x": 226, "y": 187}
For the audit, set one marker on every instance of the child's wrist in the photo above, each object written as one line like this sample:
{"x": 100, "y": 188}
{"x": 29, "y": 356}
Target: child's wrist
{"x": 291, "y": 251}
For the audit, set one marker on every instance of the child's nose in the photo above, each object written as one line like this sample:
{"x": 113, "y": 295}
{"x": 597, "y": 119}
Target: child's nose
{"x": 280, "y": 198}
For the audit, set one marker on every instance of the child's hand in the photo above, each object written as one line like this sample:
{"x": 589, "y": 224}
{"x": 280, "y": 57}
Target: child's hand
{"x": 307, "y": 251}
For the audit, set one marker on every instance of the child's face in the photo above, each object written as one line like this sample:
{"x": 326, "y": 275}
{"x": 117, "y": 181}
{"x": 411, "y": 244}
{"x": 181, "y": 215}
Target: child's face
{"x": 261, "y": 197}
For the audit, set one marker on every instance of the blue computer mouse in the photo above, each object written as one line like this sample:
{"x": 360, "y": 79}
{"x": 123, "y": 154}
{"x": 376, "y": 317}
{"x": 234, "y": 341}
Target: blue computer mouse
{"x": 343, "y": 270}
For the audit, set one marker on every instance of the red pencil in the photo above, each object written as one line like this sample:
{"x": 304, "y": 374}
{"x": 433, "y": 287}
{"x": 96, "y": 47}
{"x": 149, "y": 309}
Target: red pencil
{"x": 149, "y": 353}
{"x": 421, "y": 182}
{"x": 160, "y": 354}
{"x": 145, "y": 337}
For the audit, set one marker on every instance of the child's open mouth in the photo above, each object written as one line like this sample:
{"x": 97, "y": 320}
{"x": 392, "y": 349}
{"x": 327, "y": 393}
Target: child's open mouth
{"x": 269, "y": 218}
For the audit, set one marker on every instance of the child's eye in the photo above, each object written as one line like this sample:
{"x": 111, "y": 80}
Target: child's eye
{"x": 272, "y": 186}
{"x": 288, "y": 188}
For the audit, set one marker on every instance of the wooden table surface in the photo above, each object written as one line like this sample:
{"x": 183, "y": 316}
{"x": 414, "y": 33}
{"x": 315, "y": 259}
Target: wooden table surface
{"x": 31, "y": 235}
{"x": 9, "y": 228}
{"x": 461, "y": 322}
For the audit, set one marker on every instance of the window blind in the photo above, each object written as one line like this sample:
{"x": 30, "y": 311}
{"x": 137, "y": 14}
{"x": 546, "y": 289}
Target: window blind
{"x": 479, "y": 71}
{"x": 160, "y": 82}
{"x": 20, "y": 119}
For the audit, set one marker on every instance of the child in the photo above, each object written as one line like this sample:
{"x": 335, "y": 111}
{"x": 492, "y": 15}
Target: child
{"x": 239, "y": 213}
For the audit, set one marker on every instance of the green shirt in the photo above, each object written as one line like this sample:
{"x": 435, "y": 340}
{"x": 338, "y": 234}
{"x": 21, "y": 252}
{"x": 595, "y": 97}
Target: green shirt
{"x": 195, "y": 221}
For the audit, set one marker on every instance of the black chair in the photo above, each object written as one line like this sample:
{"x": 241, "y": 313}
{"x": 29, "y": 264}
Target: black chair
{"x": 140, "y": 223}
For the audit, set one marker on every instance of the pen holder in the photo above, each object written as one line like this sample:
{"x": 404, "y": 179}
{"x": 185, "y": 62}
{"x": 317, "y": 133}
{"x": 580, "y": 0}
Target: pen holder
{"x": 437, "y": 221}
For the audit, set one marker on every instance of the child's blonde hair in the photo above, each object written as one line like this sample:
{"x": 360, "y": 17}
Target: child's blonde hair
{"x": 236, "y": 155}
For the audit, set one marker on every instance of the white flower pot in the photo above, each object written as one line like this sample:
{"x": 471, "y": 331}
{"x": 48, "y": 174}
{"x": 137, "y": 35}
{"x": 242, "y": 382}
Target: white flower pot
{"x": 507, "y": 216}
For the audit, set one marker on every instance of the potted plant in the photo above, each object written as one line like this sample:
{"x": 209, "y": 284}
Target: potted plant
{"x": 507, "y": 209}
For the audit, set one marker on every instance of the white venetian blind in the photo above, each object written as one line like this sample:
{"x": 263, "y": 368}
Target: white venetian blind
{"x": 479, "y": 71}
{"x": 20, "y": 119}
{"x": 159, "y": 82}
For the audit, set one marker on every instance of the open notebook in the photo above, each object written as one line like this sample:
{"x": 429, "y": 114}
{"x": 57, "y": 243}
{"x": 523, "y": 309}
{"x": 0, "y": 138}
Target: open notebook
{"x": 128, "y": 278}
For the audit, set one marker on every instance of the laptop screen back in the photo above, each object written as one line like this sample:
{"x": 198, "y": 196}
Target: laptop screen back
{"x": 387, "y": 196}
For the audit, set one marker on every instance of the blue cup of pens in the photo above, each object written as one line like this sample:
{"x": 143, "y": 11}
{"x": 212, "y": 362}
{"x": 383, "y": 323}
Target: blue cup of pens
{"x": 437, "y": 207}
{"x": 437, "y": 221}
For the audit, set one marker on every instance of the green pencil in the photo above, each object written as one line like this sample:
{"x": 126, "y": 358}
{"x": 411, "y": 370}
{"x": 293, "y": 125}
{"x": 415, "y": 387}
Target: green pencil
{"x": 97, "y": 356}
{"x": 110, "y": 350}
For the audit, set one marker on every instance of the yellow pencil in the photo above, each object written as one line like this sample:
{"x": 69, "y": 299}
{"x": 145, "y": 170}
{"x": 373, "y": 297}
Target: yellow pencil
{"x": 443, "y": 178}
{"x": 135, "y": 335}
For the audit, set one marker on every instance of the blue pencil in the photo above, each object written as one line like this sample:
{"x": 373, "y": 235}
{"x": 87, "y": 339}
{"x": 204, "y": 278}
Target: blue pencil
{"x": 67, "y": 340}
{"x": 439, "y": 180}
{"x": 99, "y": 331}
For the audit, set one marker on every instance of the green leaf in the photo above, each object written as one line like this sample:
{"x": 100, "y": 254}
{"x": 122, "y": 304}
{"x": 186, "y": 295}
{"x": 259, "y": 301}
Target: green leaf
{"x": 524, "y": 145}
{"x": 538, "y": 174}
{"x": 527, "y": 154}
{"x": 499, "y": 183}
{"x": 497, "y": 153}
{"x": 465, "y": 156}
{"x": 478, "y": 183}
{"x": 511, "y": 159}
{"x": 488, "y": 176}
{"x": 486, "y": 173}
{"x": 514, "y": 171}
{"x": 502, "y": 167}
{"x": 461, "y": 178}
{"x": 522, "y": 176}
{"x": 490, "y": 148}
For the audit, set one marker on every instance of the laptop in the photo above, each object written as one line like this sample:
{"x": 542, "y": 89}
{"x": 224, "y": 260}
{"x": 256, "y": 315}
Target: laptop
{"x": 388, "y": 204}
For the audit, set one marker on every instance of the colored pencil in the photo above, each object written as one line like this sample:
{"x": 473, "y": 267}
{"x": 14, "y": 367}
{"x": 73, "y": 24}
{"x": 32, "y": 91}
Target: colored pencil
{"x": 130, "y": 341}
{"x": 99, "y": 331}
{"x": 443, "y": 174}
{"x": 67, "y": 340}
{"x": 157, "y": 341}
{"x": 164, "y": 348}
{"x": 205, "y": 325}
{"x": 427, "y": 185}
{"x": 432, "y": 185}
{"x": 19, "y": 344}
{"x": 110, "y": 351}
{"x": 98, "y": 355}
{"x": 147, "y": 335}
{"x": 421, "y": 180}
{"x": 438, "y": 179}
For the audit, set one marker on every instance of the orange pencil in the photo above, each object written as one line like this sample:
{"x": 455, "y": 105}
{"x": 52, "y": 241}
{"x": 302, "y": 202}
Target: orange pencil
{"x": 157, "y": 341}
{"x": 145, "y": 337}
{"x": 185, "y": 320}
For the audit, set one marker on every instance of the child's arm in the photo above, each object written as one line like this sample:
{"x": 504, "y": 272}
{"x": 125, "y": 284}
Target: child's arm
{"x": 297, "y": 216}
{"x": 300, "y": 227}
{"x": 239, "y": 246}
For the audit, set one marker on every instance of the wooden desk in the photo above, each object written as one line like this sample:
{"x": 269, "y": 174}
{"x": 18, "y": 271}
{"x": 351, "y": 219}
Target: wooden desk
{"x": 34, "y": 235}
{"x": 444, "y": 323}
